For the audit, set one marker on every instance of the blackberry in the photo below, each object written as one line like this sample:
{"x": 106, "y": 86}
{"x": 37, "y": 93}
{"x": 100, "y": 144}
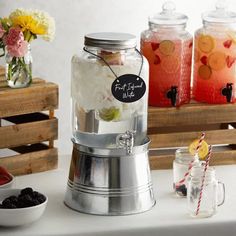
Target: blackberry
{"x": 6, "y": 202}
{"x": 182, "y": 189}
{"x": 26, "y": 191}
{"x": 41, "y": 198}
{"x": 26, "y": 198}
{"x": 13, "y": 199}
{"x": 10, "y": 206}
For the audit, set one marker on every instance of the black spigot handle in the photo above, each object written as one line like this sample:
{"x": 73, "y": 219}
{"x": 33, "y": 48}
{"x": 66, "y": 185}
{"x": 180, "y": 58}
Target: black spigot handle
{"x": 172, "y": 95}
{"x": 228, "y": 91}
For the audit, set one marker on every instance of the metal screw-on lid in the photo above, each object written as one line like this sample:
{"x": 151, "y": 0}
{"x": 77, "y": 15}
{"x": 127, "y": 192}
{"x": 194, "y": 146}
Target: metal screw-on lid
{"x": 110, "y": 40}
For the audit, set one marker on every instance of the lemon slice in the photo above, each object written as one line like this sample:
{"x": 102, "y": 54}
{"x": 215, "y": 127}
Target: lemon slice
{"x": 109, "y": 114}
{"x": 167, "y": 47}
{"x": 204, "y": 72}
{"x": 170, "y": 64}
{"x": 217, "y": 60}
{"x": 203, "y": 150}
{"x": 206, "y": 43}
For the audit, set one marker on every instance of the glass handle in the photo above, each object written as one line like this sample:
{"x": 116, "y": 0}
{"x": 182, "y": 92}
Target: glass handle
{"x": 223, "y": 193}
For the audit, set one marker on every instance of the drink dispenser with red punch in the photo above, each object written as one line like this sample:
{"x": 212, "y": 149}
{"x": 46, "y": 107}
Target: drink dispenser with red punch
{"x": 168, "y": 49}
{"x": 214, "y": 76}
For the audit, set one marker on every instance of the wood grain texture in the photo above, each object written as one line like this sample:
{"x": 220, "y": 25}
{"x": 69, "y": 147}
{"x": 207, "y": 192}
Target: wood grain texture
{"x": 37, "y": 97}
{"x": 28, "y": 133}
{"x": 2, "y": 72}
{"x": 32, "y": 162}
{"x": 163, "y": 159}
{"x": 191, "y": 114}
{"x": 181, "y": 139}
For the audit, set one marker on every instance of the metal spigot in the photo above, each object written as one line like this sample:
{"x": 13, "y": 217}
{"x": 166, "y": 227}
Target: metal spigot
{"x": 172, "y": 95}
{"x": 126, "y": 141}
{"x": 227, "y": 91}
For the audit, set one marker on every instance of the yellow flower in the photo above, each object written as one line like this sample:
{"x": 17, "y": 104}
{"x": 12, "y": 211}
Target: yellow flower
{"x": 34, "y": 22}
{"x": 28, "y": 23}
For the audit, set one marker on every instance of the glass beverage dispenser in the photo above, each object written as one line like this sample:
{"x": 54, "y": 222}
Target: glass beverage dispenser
{"x": 214, "y": 57}
{"x": 168, "y": 48}
{"x": 109, "y": 172}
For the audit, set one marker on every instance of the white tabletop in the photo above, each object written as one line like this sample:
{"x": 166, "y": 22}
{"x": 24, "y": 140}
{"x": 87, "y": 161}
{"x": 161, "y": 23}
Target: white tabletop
{"x": 169, "y": 216}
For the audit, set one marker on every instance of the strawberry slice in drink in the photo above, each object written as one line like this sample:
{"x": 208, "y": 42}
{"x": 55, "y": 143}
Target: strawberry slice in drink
{"x": 112, "y": 58}
{"x": 203, "y": 60}
{"x": 230, "y": 61}
{"x": 155, "y": 46}
{"x": 227, "y": 43}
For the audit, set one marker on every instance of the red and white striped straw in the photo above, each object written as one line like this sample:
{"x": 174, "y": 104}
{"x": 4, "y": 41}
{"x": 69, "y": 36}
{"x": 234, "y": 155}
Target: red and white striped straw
{"x": 200, "y": 142}
{"x": 203, "y": 179}
{"x": 191, "y": 163}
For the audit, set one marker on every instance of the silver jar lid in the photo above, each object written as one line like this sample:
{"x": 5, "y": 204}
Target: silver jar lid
{"x": 110, "y": 40}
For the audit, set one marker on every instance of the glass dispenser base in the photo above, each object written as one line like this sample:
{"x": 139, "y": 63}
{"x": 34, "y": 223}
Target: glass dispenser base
{"x": 110, "y": 181}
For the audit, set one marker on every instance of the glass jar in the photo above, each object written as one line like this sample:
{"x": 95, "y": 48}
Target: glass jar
{"x": 203, "y": 196}
{"x": 214, "y": 77}
{"x": 106, "y": 101}
{"x": 181, "y": 164}
{"x": 19, "y": 69}
{"x": 168, "y": 48}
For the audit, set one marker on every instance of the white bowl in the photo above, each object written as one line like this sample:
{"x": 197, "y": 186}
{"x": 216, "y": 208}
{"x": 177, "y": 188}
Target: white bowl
{"x": 19, "y": 216}
{"x": 9, "y": 184}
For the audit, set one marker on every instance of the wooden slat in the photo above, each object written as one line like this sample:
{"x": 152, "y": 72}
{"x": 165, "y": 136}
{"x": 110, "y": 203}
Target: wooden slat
{"x": 2, "y": 71}
{"x": 181, "y": 139}
{"x": 186, "y": 128}
{"x": 163, "y": 159}
{"x": 32, "y": 162}
{"x": 23, "y": 101}
{"x": 191, "y": 114}
{"x": 28, "y": 133}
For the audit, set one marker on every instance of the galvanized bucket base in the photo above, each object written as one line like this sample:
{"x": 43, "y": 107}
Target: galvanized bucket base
{"x": 110, "y": 184}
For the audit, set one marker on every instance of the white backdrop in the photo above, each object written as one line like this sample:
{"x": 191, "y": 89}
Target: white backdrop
{"x": 74, "y": 18}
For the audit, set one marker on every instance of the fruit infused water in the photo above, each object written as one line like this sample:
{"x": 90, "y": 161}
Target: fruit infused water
{"x": 215, "y": 58}
{"x": 168, "y": 49}
{"x": 100, "y": 74}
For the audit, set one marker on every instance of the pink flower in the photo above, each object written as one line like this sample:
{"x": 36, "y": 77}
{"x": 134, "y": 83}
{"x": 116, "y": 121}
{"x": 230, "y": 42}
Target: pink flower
{"x": 2, "y": 31}
{"x": 18, "y": 50}
{"x": 14, "y": 36}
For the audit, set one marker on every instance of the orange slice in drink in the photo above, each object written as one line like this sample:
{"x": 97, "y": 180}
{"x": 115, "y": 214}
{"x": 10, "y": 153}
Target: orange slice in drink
{"x": 206, "y": 43}
{"x": 170, "y": 64}
{"x": 217, "y": 60}
{"x": 204, "y": 72}
{"x": 202, "y": 151}
{"x": 167, "y": 47}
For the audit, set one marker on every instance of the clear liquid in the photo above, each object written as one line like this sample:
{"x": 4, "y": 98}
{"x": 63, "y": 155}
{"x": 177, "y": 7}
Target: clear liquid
{"x": 94, "y": 132}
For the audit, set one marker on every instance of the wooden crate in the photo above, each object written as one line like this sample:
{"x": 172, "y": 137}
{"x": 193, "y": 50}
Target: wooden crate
{"x": 170, "y": 128}
{"x": 28, "y": 127}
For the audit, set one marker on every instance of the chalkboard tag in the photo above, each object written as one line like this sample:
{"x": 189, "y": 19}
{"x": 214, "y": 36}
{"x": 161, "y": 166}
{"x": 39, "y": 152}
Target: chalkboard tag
{"x": 128, "y": 88}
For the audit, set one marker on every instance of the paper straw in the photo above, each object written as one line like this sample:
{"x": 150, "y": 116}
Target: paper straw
{"x": 203, "y": 179}
{"x": 200, "y": 142}
{"x": 191, "y": 163}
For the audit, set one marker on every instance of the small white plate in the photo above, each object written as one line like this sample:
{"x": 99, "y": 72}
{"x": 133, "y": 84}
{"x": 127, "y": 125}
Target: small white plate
{"x": 19, "y": 216}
